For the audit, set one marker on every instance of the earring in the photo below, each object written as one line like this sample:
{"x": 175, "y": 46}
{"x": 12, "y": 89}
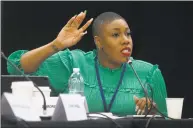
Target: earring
{"x": 100, "y": 48}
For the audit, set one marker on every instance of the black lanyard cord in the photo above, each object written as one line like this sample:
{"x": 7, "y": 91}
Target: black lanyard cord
{"x": 101, "y": 89}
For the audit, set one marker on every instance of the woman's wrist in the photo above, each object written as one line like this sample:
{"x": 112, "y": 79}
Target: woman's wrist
{"x": 56, "y": 46}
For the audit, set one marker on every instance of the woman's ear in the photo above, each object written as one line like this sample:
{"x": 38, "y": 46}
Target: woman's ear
{"x": 97, "y": 41}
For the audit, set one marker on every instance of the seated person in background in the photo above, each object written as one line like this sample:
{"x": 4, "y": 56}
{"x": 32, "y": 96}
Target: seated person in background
{"x": 114, "y": 44}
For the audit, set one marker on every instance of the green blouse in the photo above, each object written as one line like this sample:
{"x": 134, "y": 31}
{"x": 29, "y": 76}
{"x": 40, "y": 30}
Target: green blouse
{"x": 59, "y": 66}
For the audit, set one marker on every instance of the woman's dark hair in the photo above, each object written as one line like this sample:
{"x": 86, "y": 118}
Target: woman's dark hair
{"x": 105, "y": 17}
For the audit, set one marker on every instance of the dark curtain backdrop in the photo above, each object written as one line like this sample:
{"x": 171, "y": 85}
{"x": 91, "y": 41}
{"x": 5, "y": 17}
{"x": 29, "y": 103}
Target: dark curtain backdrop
{"x": 162, "y": 34}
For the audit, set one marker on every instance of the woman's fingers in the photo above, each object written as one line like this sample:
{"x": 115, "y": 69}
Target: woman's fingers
{"x": 140, "y": 106}
{"x": 83, "y": 28}
{"x": 143, "y": 108}
{"x": 70, "y": 21}
{"x": 84, "y": 33}
{"x": 78, "y": 37}
{"x": 78, "y": 20}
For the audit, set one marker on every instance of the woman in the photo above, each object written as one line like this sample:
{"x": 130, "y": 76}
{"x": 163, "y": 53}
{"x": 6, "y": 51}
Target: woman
{"x": 108, "y": 65}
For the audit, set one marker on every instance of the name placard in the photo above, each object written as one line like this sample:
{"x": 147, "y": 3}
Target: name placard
{"x": 14, "y": 107}
{"x": 69, "y": 108}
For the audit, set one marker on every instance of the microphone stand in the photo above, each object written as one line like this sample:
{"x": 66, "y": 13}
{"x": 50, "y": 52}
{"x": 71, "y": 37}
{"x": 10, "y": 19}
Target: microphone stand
{"x": 27, "y": 78}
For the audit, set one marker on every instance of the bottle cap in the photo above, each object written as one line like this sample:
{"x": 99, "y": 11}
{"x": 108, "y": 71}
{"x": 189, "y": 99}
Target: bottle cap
{"x": 76, "y": 69}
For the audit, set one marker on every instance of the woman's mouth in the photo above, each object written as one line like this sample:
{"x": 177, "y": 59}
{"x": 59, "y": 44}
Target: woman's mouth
{"x": 126, "y": 52}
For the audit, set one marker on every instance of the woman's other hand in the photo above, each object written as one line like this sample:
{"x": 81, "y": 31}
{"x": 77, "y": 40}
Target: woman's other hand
{"x": 141, "y": 104}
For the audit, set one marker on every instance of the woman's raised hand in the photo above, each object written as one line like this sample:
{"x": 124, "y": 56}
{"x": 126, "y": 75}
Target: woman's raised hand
{"x": 71, "y": 33}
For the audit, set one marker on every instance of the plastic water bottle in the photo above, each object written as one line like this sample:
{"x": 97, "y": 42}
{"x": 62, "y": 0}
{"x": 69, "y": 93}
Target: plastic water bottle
{"x": 76, "y": 82}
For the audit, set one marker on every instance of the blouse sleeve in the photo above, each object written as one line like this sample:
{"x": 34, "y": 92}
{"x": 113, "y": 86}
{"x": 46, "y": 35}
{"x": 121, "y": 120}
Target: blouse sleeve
{"x": 159, "y": 89}
{"x": 15, "y": 58}
{"x": 57, "y": 67}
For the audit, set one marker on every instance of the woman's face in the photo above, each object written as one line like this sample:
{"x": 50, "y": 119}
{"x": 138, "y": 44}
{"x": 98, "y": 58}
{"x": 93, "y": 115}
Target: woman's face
{"x": 116, "y": 41}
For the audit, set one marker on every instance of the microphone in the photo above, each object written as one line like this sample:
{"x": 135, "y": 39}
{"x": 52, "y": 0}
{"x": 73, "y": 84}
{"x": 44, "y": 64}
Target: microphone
{"x": 27, "y": 78}
{"x": 145, "y": 90}
{"x": 146, "y": 93}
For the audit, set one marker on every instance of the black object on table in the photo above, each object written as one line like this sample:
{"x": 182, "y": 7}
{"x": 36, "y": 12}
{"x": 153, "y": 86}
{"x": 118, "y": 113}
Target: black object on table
{"x": 100, "y": 123}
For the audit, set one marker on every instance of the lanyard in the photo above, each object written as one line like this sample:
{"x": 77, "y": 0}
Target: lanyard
{"x": 101, "y": 89}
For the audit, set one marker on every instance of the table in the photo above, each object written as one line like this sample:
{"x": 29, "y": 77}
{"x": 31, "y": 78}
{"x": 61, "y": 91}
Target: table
{"x": 103, "y": 123}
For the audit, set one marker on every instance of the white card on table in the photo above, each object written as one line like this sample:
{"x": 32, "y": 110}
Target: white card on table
{"x": 69, "y": 108}
{"x": 14, "y": 106}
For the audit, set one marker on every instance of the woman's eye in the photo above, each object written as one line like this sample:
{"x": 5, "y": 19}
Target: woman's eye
{"x": 115, "y": 35}
{"x": 128, "y": 33}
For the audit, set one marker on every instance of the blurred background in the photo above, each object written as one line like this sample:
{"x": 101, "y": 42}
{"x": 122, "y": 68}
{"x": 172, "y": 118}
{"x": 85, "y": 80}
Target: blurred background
{"x": 162, "y": 33}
